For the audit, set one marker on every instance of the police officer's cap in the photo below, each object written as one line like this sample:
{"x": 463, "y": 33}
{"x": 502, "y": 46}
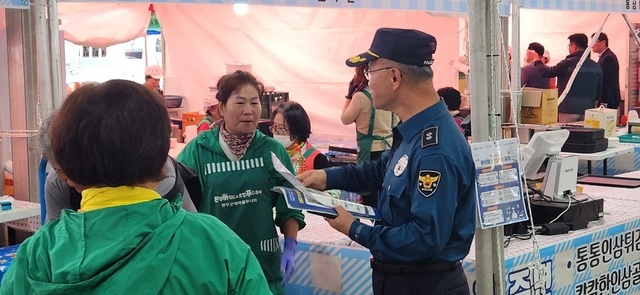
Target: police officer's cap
{"x": 409, "y": 47}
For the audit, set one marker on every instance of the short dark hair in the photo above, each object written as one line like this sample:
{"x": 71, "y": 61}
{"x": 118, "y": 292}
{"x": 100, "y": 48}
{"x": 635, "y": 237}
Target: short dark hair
{"x": 537, "y": 47}
{"x": 451, "y": 97}
{"x": 295, "y": 118}
{"x": 230, "y": 83}
{"x": 602, "y": 37}
{"x": 115, "y": 133}
{"x": 580, "y": 40}
{"x": 359, "y": 77}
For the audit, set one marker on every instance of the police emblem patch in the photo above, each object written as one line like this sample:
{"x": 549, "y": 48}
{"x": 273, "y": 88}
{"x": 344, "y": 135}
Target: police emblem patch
{"x": 401, "y": 165}
{"x": 428, "y": 181}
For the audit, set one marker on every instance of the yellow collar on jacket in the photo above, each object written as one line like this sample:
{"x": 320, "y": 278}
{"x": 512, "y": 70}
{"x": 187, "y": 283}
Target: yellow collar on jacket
{"x": 105, "y": 197}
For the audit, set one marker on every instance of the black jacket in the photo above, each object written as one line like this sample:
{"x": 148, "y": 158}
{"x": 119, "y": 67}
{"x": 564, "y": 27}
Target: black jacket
{"x": 185, "y": 178}
{"x": 586, "y": 88}
{"x": 610, "y": 79}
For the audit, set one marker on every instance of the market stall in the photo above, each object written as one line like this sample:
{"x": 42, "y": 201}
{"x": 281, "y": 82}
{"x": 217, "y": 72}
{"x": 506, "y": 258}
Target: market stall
{"x": 601, "y": 258}
{"x": 316, "y": 77}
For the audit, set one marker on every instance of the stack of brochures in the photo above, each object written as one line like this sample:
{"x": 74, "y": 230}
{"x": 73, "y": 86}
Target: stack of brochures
{"x": 319, "y": 202}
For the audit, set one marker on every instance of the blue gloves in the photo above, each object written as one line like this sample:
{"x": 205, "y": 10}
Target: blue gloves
{"x": 288, "y": 262}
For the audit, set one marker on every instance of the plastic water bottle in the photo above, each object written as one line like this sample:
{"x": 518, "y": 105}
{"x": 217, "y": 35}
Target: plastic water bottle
{"x": 633, "y": 115}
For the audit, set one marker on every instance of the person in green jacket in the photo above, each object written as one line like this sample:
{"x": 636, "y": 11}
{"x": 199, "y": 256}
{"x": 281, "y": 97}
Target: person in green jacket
{"x": 237, "y": 174}
{"x": 126, "y": 239}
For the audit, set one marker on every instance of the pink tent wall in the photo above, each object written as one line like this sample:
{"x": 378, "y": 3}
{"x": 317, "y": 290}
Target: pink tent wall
{"x": 298, "y": 50}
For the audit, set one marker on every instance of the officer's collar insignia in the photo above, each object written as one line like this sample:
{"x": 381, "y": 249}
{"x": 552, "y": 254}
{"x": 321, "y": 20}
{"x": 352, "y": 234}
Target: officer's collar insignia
{"x": 428, "y": 182}
{"x": 430, "y": 136}
{"x": 401, "y": 165}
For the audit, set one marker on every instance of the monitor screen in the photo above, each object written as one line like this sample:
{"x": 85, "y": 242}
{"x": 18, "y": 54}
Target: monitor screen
{"x": 542, "y": 145}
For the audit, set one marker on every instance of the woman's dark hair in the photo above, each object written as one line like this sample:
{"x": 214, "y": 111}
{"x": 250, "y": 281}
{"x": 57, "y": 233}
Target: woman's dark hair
{"x": 359, "y": 79}
{"x": 451, "y": 97}
{"x": 296, "y": 120}
{"x": 230, "y": 83}
{"x": 359, "y": 76}
{"x": 115, "y": 133}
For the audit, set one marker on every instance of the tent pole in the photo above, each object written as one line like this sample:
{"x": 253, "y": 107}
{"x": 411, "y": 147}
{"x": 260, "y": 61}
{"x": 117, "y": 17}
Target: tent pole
{"x": 478, "y": 99}
{"x": 163, "y": 48}
{"x": 56, "y": 64}
{"x": 44, "y": 61}
{"x": 628, "y": 104}
{"x": 631, "y": 28}
{"x": 145, "y": 54}
{"x": 495, "y": 128}
{"x": 516, "y": 94}
{"x": 23, "y": 105}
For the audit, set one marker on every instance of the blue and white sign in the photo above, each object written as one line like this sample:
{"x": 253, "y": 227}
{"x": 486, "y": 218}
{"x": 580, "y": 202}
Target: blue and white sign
{"x": 499, "y": 191}
{"x": 621, "y": 6}
{"x": 20, "y": 4}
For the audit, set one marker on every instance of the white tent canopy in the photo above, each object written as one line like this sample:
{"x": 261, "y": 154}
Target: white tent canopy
{"x": 295, "y": 49}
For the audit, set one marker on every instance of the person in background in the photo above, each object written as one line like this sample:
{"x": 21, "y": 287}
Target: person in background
{"x": 126, "y": 239}
{"x": 210, "y": 107}
{"x": 587, "y": 86}
{"x": 530, "y": 74}
{"x": 152, "y": 76}
{"x": 452, "y": 99}
{"x": 234, "y": 163}
{"x": 428, "y": 178}
{"x": 291, "y": 127}
{"x": 61, "y": 193}
{"x": 373, "y": 126}
{"x": 71, "y": 87}
{"x": 610, "y": 67}
{"x": 546, "y": 57}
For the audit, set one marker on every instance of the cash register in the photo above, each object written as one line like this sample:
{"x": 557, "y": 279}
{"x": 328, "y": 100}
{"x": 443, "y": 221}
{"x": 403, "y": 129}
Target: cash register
{"x": 557, "y": 198}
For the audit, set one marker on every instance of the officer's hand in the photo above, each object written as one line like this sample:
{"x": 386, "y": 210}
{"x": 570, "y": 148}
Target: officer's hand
{"x": 314, "y": 179}
{"x": 343, "y": 221}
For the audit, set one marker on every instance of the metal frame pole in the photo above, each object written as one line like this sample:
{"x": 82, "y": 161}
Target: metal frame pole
{"x": 478, "y": 98}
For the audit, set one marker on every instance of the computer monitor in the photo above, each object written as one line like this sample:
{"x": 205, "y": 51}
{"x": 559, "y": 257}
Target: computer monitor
{"x": 542, "y": 145}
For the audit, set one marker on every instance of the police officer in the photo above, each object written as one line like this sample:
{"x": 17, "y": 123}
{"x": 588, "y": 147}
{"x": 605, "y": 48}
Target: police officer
{"x": 426, "y": 179}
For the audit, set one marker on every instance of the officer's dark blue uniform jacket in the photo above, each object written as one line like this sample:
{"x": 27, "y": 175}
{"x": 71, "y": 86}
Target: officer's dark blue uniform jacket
{"x": 427, "y": 201}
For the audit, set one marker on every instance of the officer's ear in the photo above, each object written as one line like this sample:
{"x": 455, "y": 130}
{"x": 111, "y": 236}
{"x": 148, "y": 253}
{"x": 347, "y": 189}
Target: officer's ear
{"x": 397, "y": 75}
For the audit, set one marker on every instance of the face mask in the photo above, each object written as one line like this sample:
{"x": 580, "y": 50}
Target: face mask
{"x": 283, "y": 139}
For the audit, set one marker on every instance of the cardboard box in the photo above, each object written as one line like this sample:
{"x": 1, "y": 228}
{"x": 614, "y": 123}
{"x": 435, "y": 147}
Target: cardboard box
{"x": 191, "y": 118}
{"x": 539, "y": 106}
{"x": 602, "y": 118}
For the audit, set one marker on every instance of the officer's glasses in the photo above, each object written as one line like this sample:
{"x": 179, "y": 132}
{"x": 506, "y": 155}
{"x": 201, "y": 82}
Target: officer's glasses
{"x": 367, "y": 73}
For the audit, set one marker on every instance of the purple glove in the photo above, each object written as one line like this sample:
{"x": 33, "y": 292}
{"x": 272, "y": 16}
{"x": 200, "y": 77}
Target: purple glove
{"x": 288, "y": 262}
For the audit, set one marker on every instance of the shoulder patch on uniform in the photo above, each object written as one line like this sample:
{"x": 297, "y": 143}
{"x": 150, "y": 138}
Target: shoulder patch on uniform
{"x": 428, "y": 181}
{"x": 430, "y": 136}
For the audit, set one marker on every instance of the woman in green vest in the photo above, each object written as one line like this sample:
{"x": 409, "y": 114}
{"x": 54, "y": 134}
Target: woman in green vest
{"x": 373, "y": 126}
{"x": 125, "y": 238}
{"x": 291, "y": 127}
{"x": 236, "y": 170}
